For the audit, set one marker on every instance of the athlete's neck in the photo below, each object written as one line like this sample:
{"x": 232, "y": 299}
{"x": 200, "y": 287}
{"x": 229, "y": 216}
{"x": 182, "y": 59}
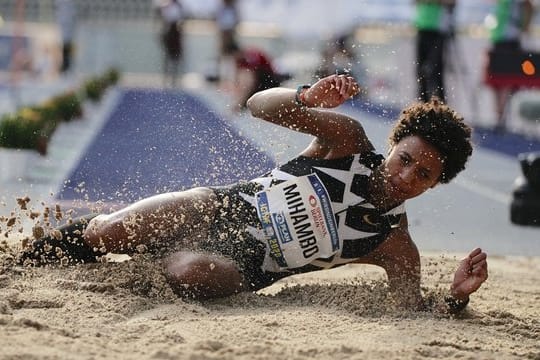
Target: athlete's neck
{"x": 376, "y": 191}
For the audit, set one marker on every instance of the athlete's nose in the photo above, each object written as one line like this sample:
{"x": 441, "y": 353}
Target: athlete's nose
{"x": 407, "y": 175}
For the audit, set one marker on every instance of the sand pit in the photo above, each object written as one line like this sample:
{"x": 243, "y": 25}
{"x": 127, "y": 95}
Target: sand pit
{"x": 126, "y": 310}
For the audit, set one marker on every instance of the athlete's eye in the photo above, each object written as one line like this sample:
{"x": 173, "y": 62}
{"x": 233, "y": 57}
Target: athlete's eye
{"x": 405, "y": 160}
{"x": 424, "y": 174}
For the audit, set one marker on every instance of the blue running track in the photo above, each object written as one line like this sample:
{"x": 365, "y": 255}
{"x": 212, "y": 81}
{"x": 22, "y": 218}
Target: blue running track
{"x": 156, "y": 141}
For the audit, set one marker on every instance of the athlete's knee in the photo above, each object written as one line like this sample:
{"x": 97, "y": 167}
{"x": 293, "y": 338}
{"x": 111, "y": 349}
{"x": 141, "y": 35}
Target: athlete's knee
{"x": 201, "y": 192}
{"x": 202, "y": 276}
{"x": 201, "y": 197}
{"x": 101, "y": 232}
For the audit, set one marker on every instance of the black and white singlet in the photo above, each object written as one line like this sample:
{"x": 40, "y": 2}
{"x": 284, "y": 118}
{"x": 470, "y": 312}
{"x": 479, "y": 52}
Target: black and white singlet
{"x": 360, "y": 226}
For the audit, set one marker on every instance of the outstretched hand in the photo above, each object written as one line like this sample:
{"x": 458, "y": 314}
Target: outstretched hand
{"x": 470, "y": 274}
{"x": 331, "y": 91}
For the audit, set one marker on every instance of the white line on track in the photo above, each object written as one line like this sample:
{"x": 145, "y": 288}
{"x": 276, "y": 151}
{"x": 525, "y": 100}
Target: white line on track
{"x": 483, "y": 190}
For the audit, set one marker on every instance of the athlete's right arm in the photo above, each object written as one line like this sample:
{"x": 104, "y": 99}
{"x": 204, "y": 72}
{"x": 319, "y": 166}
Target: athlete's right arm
{"x": 337, "y": 135}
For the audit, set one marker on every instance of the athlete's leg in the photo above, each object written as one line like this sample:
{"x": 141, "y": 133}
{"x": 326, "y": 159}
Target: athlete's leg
{"x": 157, "y": 220}
{"x": 65, "y": 245}
{"x": 202, "y": 276}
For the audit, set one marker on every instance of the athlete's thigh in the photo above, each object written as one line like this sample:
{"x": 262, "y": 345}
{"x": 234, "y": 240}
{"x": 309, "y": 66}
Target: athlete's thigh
{"x": 202, "y": 276}
{"x": 175, "y": 215}
{"x": 181, "y": 212}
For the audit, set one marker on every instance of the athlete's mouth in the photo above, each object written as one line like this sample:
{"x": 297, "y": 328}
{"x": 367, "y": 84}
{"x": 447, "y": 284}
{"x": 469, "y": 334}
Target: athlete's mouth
{"x": 399, "y": 188}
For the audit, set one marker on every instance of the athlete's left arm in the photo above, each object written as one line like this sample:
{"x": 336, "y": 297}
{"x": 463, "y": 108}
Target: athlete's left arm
{"x": 399, "y": 256}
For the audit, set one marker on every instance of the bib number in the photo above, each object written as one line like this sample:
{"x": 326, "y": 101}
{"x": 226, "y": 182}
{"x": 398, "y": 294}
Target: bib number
{"x": 298, "y": 221}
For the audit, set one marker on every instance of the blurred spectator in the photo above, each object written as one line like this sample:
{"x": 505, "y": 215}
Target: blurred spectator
{"x": 21, "y": 60}
{"x": 227, "y": 19}
{"x": 510, "y": 21}
{"x": 46, "y": 62}
{"x": 338, "y": 57}
{"x": 254, "y": 72}
{"x": 66, "y": 17}
{"x": 172, "y": 17}
{"x": 434, "y": 21}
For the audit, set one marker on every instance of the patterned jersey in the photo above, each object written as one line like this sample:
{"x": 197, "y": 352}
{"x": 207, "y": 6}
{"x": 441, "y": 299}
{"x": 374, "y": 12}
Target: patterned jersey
{"x": 361, "y": 226}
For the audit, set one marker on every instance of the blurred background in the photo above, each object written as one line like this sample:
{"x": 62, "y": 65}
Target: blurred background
{"x": 295, "y": 33}
{"x": 303, "y": 39}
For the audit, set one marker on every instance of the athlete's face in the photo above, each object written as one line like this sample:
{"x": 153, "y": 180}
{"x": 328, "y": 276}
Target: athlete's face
{"x": 412, "y": 167}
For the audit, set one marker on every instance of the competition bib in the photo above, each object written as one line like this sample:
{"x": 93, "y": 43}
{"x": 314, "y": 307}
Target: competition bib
{"x": 298, "y": 221}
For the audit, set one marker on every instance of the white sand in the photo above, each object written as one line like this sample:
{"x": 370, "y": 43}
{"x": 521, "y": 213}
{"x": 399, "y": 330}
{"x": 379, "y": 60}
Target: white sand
{"x": 126, "y": 310}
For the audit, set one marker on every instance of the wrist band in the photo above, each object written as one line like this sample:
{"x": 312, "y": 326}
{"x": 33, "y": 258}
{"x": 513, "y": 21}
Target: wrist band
{"x": 455, "y": 305}
{"x": 299, "y": 96}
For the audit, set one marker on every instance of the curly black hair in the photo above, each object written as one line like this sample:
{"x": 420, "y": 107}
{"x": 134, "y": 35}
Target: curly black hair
{"x": 440, "y": 126}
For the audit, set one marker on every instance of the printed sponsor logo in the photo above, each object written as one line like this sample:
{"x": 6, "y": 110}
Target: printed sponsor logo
{"x": 284, "y": 233}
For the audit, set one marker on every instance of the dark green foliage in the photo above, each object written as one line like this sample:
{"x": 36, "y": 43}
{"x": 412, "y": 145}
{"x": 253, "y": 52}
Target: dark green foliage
{"x": 31, "y": 127}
